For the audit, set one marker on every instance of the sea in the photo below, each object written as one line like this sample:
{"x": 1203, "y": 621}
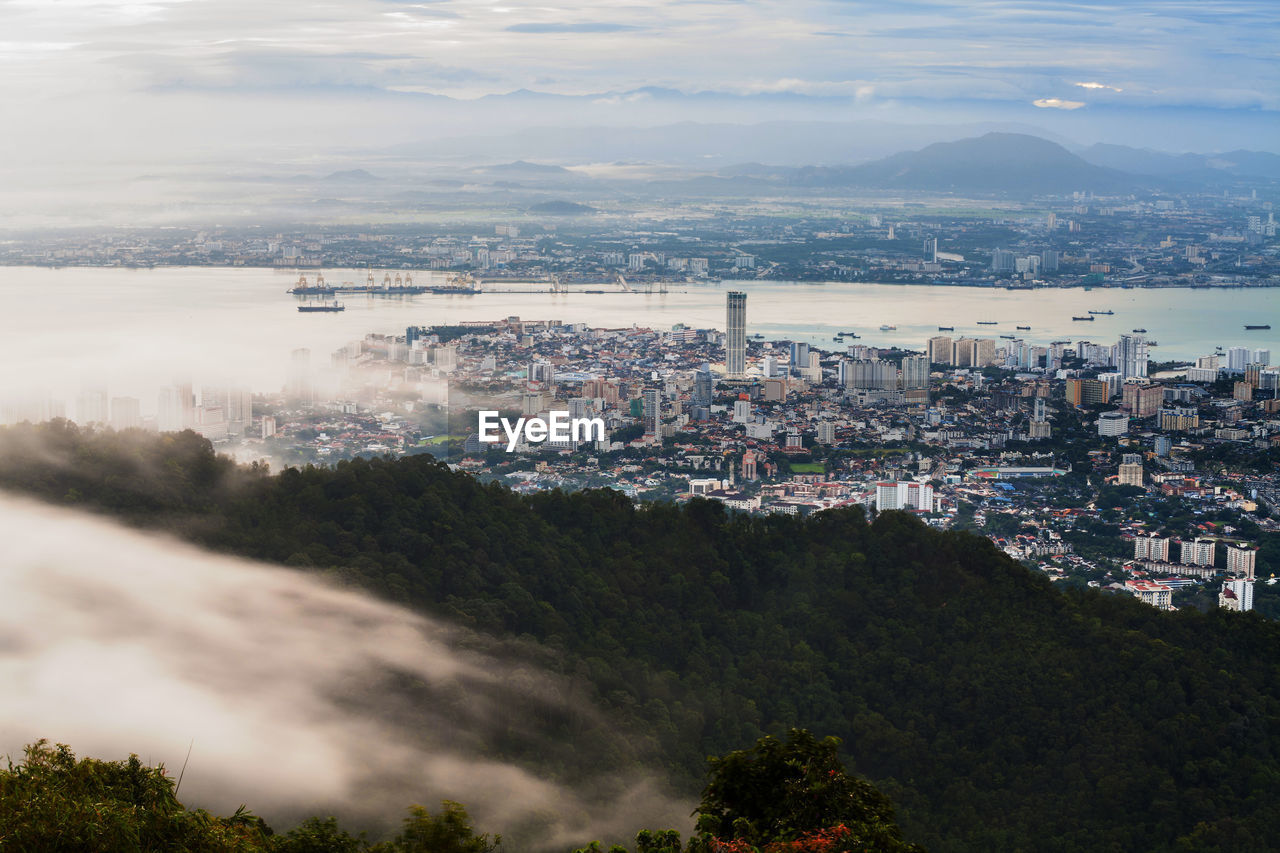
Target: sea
{"x": 134, "y": 330}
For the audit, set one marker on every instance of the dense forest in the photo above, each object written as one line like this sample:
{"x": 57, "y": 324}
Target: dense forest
{"x": 995, "y": 711}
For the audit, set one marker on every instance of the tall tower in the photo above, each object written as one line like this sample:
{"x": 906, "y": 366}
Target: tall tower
{"x": 735, "y": 338}
{"x": 1131, "y": 356}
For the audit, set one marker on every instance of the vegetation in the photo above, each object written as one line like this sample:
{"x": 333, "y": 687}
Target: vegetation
{"x": 780, "y": 797}
{"x": 997, "y": 712}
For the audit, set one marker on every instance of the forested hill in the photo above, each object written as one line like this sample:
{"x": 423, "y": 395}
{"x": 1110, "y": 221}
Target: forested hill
{"x": 997, "y": 712}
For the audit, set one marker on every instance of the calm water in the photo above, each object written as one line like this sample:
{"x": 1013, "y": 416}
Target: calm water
{"x": 135, "y": 330}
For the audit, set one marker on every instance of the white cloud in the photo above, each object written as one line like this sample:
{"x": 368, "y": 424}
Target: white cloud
{"x": 1057, "y": 104}
{"x": 1092, "y": 85}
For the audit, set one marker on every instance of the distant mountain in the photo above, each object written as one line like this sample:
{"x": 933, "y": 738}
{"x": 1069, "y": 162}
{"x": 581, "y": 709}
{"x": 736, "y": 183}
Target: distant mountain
{"x": 1004, "y": 163}
{"x": 561, "y": 208}
{"x": 350, "y": 176}
{"x": 521, "y": 167}
{"x": 1198, "y": 167}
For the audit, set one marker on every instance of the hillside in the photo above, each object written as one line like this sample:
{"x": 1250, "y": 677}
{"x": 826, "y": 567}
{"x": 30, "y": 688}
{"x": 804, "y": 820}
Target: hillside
{"x": 996, "y": 712}
{"x": 1012, "y": 163}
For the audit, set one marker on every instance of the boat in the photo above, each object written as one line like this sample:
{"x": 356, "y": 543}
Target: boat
{"x": 1153, "y": 343}
{"x": 887, "y": 328}
{"x": 1009, "y": 337}
{"x": 1139, "y": 331}
{"x": 946, "y": 328}
{"x": 1090, "y": 317}
{"x": 1263, "y": 326}
{"x": 1103, "y": 313}
{"x": 315, "y": 307}
{"x": 1024, "y": 328}
{"x": 988, "y": 322}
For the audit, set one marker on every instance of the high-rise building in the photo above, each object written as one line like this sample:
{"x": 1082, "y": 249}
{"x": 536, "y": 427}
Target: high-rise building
{"x": 1262, "y": 356}
{"x": 735, "y": 338}
{"x": 299, "y": 387}
{"x": 1142, "y": 400}
{"x": 1236, "y": 595}
{"x": 1002, "y": 260}
{"x": 984, "y": 352}
{"x": 1237, "y": 358}
{"x": 1049, "y": 259}
{"x": 703, "y": 387}
{"x": 126, "y": 412}
{"x": 963, "y": 352}
{"x": 1197, "y": 553}
{"x": 750, "y": 465}
{"x": 1086, "y": 392}
{"x": 1131, "y": 356}
{"x": 915, "y": 371}
{"x": 1241, "y": 562}
{"x": 931, "y": 250}
{"x": 939, "y": 349}
{"x": 799, "y": 357}
{"x": 91, "y": 406}
{"x": 1111, "y": 424}
{"x": 1130, "y": 473}
{"x": 652, "y": 410}
{"x": 826, "y": 432}
{"x": 1153, "y": 548}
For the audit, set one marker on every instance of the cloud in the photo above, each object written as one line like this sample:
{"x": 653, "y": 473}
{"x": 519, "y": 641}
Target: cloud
{"x": 585, "y": 27}
{"x": 301, "y": 698}
{"x": 1057, "y": 104}
{"x": 1098, "y": 86}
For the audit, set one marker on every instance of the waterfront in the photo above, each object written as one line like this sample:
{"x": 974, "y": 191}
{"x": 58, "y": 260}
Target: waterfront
{"x": 137, "y": 329}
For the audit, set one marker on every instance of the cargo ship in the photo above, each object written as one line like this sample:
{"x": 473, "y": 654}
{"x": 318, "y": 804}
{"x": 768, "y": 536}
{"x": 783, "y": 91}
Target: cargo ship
{"x": 946, "y": 328}
{"x": 1024, "y": 328}
{"x": 1102, "y": 313}
{"x": 1139, "y": 331}
{"x": 1090, "y": 317}
{"x": 887, "y": 328}
{"x": 322, "y": 307}
{"x": 1263, "y": 326}
{"x": 988, "y": 322}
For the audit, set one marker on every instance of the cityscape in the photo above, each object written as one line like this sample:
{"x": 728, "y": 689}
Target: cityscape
{"x": 1073, "y": 457}
{"x": 695, "y": 426}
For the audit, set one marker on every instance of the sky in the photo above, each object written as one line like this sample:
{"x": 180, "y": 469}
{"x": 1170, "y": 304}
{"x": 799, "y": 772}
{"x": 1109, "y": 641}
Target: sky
{"x": 101, "y": 81}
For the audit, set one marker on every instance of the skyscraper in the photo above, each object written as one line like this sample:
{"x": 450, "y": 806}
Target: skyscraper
{"x": 915, "y": 371}
{"x": 939, "y": 349}
{"x": 799, "y": 357}
{"x": 652, "y": 410}
{"x": 703, "y": 388}
{"x": 1131, "y": 356}
{"x": 735, "y": 338}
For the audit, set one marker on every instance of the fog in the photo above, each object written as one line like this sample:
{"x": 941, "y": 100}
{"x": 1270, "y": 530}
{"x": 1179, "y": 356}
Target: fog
{"x": 294, "y": 697}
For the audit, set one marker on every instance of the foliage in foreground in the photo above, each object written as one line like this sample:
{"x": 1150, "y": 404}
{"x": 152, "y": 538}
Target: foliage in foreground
{"x": 788, "y": 796}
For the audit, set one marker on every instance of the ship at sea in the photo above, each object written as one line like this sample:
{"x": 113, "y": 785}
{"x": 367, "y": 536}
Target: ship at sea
{"x": 322, "y": 307}
{"x": 1024, "y": 328}
{"x": 1106, "y": 313}
{"x": 988, "y": 322}
{"x": 1090, "y": 317}
{"x": 1139, "y": 331}
{"x": 1263, "y": 326}
{"x": 946, "y": 328}
{"x": 887, "y": 328}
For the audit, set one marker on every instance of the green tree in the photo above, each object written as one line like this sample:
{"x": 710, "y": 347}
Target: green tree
{"x": 448, "y": 832}
{"x": 789, "y": 790}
